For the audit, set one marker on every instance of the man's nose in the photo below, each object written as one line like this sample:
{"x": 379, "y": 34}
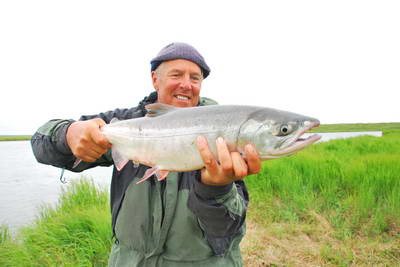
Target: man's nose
{"x": 186, "y": 82}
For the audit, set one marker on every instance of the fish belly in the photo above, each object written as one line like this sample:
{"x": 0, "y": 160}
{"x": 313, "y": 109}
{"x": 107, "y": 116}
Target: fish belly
{"x": 172, "y": 153}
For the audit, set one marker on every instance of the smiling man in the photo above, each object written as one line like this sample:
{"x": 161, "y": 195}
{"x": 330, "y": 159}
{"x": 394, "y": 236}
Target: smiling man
{"x": 192, "y": 218}
{"x": 180, "y": 82}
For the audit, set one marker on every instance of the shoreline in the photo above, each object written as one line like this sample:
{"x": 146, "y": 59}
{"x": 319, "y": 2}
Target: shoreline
{"x": 15, "y": 137}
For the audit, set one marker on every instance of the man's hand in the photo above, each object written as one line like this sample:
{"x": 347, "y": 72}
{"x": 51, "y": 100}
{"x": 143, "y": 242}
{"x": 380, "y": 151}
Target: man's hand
{"x": 86, "y": 141}
{"x": 229, "y": 166}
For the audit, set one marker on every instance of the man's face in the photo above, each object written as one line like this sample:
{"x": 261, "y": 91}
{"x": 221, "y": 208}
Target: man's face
{"x": 178, "y": 83}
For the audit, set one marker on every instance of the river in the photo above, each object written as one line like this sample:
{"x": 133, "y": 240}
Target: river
{"x": 26, "y": 185}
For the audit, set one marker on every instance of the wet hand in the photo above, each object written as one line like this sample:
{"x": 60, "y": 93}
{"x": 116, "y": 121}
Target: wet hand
{"x": 86, "y": 140}
{"x": 229, "y": 166}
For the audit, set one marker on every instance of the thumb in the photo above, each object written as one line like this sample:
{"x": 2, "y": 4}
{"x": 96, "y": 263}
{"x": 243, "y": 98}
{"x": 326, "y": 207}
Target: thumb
{"x": 97, "y": 136}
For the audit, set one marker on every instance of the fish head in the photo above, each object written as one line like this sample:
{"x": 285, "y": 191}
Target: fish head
{"x": 277, "y": 133}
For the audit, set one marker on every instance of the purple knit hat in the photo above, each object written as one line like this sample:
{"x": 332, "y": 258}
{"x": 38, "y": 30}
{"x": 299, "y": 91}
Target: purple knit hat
{"x": 180, "y": 50}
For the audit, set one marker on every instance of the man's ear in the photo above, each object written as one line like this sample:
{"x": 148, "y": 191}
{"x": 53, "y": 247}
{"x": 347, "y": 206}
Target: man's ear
{"x": 154, "y": 80}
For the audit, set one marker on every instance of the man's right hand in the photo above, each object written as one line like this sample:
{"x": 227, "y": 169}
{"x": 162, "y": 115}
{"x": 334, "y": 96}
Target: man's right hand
{"x": 86, "y": 140}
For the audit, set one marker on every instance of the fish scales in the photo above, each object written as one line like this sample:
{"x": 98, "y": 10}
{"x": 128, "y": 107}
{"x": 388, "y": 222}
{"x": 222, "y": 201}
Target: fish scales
{"x": 166, "y": 139}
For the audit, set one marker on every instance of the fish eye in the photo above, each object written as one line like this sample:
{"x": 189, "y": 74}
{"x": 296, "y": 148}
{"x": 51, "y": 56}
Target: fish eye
{"x": 284, "y": 129}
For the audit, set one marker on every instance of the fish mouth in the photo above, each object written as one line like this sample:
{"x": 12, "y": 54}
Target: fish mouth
{"x": 297, "y": 143}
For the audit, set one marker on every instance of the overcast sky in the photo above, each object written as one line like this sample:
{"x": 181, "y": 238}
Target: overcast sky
{"x": 337, "y": 60}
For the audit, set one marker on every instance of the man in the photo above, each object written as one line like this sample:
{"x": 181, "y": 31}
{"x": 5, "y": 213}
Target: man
{"x": 193, "y": 218}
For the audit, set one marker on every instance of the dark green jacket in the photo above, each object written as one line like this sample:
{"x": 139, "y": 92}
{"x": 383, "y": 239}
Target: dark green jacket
{"x": 175, "y": 222}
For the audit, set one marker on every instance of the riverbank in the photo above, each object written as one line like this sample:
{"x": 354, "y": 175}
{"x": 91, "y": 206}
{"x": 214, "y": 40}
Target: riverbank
{"x": 358, "y": 127}
{"x": 75, "y": 233}
{"x": 15, "y": 137}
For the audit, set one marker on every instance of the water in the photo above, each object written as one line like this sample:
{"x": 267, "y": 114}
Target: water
{"x": 330, "y": 136}
{"x": 26, "y": 185}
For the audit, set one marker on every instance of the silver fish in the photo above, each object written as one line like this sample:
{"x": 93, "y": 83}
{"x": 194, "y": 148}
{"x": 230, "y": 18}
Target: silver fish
{"x": 166, "y": 138}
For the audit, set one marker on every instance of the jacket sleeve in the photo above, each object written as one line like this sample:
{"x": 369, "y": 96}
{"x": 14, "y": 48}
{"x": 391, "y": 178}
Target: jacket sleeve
{"x": 221, "y": 211}
{"x": 49, "y": 143}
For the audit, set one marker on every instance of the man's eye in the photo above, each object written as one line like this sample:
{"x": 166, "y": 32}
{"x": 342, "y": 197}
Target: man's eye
{"x": 195, "y": 78}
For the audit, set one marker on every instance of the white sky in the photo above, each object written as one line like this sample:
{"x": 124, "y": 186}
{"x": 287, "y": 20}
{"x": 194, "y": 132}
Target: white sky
{"x": 337, "y": 60}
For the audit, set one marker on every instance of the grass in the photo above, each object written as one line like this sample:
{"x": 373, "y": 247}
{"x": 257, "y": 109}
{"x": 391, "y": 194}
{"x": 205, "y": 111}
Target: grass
{"x": 75, "y": 233}
{"x": 355, "y": 182}
{"x": 341, "y": 197}
{"x": 333, "y": 204}
{"x": 358, "y": 127}
{"x": 313, "y": 244}
{"x": 15, "y": 137}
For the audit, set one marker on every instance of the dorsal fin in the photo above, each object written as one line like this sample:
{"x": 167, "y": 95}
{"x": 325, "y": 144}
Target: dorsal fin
{"x": 158, "y": 109}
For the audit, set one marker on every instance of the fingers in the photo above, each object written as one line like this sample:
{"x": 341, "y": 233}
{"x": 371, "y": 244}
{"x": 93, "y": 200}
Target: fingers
{"x": 206, "y": 155}
{"x": 224, "y": 157}
{"x": 86, "y": 158}
{"x": 97, "y": 137}
{"x": 230, "y": 165}
{"x": 93, "y": 152}
{"x": 239, "y": 165}
{"x": 87, "y": 151}
{"x": 86, "y": 140}
{"x": 253, "y": 160}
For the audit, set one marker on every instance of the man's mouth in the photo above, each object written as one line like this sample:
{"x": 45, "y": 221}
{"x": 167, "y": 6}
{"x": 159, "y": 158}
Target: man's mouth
{"x": 182, "y": 97}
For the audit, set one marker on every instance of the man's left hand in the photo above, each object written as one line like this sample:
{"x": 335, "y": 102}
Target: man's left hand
{"x": 229, "y": 166}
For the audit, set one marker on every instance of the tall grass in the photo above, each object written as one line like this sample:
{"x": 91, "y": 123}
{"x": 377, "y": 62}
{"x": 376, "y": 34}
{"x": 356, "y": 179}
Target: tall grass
{"x": 354, "y": 183}
{"x": 4, "y": 234}
{"x": 75, "y": 233}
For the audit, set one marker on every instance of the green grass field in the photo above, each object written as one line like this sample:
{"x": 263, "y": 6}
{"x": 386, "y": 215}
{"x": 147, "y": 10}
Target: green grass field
{"x": 344, "y": 193}
{"x": 355, "y": 182}
{"x": 15, "y": 137}
{"x": 332, "y": 204}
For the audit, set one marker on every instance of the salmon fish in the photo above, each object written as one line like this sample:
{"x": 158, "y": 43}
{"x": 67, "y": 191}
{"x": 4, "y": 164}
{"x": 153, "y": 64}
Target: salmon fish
{"x": 165, "y": 139}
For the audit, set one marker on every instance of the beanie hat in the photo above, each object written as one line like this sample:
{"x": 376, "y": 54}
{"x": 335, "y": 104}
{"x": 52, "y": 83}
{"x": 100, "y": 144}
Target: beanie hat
{"x": 180, "y": 51}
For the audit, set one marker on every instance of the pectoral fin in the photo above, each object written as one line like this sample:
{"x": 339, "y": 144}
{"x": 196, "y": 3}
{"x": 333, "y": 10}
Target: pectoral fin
{"x": 119, "y": 160}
